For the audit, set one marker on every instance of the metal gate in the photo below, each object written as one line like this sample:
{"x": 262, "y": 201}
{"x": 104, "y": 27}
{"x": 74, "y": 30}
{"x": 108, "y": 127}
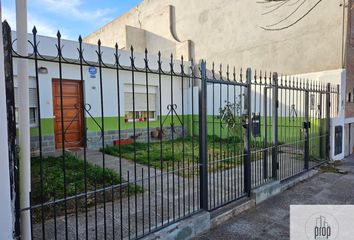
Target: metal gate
{"x": 281, "y": 125}
{"x": 226, "y": 127}
{"x": 293, "y": 124}
{"x": 263, "y": 127}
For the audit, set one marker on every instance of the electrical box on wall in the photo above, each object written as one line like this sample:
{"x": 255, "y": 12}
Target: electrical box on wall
{"x": 338, "y": 141}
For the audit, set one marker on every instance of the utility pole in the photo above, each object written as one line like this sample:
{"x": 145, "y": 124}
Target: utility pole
{"x": 24, "y": 123}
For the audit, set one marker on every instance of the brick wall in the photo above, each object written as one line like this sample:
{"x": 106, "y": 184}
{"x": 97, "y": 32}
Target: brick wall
{"x": 349, "y": 97}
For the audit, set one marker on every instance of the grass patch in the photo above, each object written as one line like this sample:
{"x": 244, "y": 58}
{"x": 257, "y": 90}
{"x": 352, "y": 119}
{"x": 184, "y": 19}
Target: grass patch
{"x": 329, "y": 168}
{"x": 223, "y": 153}
{"x": 53, "y": 186}
{"x": 183, "y": 153}
{"x": 333, "y": 167}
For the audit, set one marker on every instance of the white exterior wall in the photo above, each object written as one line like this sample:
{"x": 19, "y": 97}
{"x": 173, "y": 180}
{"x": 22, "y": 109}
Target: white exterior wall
{"x": 92, "y": 85}
{"x": 109, "y": 77}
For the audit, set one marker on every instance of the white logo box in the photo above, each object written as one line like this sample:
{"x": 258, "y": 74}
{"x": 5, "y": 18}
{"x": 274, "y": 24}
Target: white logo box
{"x": 317, "y": 222}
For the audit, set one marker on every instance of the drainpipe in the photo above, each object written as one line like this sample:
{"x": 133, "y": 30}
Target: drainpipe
{"x": 6, "y": 220}
{"x": 24, "y": 123}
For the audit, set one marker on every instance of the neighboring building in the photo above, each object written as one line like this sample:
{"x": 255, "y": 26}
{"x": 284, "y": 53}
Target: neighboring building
{"x": 308, "y": 38}
{"x": 230, "y": 32}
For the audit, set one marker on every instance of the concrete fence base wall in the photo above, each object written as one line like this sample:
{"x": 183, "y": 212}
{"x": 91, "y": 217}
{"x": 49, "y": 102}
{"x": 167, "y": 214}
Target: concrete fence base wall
{"x": 202, "y": 222}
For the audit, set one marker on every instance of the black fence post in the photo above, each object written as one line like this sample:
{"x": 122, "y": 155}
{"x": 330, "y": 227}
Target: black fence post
{"x": 10, "y": 102}
{"x": 248, "y": 122}
{"x": 306, "y": 127}
{"x": 339, "y": 102}
{"x": 203, "y": 150}
{"x": 328, "y": 119}
{"x": 265, "y": 142}
{"x": 275, "y": 105}
{"x": 321, "y": 128}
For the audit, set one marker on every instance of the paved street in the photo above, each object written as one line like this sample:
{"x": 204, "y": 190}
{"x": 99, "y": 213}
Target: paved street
{"x": 270, "y": 220}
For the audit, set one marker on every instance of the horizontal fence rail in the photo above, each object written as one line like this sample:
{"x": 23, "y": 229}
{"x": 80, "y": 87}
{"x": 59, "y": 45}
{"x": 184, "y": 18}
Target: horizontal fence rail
{"x": 126, "y": 143}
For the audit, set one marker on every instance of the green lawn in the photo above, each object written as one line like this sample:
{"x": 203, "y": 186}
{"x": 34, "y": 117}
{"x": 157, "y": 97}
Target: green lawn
{"x": 289, "y": 129}
{"x": 182, "y": 153}
{"x": 53, "y": 183}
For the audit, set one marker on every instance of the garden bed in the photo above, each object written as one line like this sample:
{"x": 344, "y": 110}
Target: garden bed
{"x": 80, "y": 177}
{"x": 182, "y": 154}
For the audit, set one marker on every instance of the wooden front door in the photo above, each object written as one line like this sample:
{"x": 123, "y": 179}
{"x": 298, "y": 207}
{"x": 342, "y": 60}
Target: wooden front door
{"x": 72, "y": 113}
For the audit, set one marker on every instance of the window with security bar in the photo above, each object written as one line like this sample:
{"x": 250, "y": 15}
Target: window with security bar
{"x": 33, "y": 108}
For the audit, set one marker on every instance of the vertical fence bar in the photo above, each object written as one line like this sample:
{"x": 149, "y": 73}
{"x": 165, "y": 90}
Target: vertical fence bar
{"x": 339, "y": 104}
{"x": 99, "y": 56}
{"x": 215, "y": 175}
{"x": 160, "y": 138}
{"x": 120, "y": 138}
{"x": 203, "y": 139}
{"x": 306, "y": 126}
{"x": 265, "y": 142}
{"x": 248, "y": 116}
{"x": 84, "y": 129}
{"x": 321, "y": 131}
{"x": 132, "y": 60}
{"x": 183, "y": 138}
{"x": 40, "y": 145}
{"x": 275, "y": 104}
{"x": 60, "y": 69}
{"x": 146, "y": 60}
{"x": 328, "y": 119}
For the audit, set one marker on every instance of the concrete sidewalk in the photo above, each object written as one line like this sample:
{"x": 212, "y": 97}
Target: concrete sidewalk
{"x": 271, "y": 219}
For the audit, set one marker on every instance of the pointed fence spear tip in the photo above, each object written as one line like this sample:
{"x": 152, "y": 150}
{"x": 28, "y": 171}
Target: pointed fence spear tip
{"x": 58, "y": 34}
{"x": 80, "y": 38}
{"x": 116, "y": 45}
{"x": 34, "y": 30}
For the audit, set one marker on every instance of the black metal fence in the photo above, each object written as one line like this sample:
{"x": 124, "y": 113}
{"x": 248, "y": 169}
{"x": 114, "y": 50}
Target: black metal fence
{"x": 139, "y": 142}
